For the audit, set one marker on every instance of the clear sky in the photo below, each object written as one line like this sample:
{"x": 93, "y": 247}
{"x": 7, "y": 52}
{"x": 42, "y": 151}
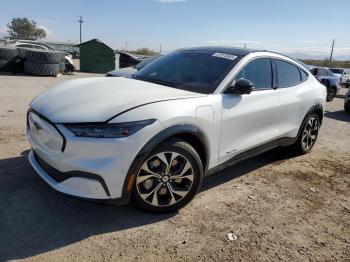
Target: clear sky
{"x": 288, "y": 26}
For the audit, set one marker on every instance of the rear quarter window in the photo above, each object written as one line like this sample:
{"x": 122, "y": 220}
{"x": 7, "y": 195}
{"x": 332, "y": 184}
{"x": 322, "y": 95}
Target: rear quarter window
{"x": 303, "y": 75}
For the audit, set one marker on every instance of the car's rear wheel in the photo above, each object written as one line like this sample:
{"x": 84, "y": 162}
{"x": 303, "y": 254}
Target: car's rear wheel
{"x": 169, "y": 178}
{"x": 331, "y": 92}
{"x": 308, "y": 134}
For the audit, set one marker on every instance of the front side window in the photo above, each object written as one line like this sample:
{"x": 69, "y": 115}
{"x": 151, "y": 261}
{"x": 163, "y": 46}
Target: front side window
{"x": 259, "y": 72}
{"x": 196, "y": 71}
{"x": 287, "y": 74}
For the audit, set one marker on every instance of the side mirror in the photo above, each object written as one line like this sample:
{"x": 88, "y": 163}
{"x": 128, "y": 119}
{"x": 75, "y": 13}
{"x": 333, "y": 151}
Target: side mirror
{"x": 241, "y": 86}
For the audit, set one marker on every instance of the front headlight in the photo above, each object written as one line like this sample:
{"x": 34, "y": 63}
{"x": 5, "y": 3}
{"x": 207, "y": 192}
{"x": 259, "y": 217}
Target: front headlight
{"x": 106, "y": 130}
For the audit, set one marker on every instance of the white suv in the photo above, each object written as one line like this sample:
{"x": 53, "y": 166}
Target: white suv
{"x": 188, "y": 114}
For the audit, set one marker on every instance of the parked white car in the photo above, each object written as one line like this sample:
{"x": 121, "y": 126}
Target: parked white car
{"x": 188, "y": 114}
{"x": 37, "y": 45}
{"x": 343, "y": 74}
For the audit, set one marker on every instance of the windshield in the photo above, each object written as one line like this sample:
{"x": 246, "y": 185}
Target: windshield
{"x": 145, "y": 61}
{"x": 336, "y": 70}
{"x": 196, "y": 71}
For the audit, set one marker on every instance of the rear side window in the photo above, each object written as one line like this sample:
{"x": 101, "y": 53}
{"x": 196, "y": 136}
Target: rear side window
{"x": 287, "y": 74}
{"x": 322, "y": 72}
{"x": 259, "y": 72}
{"x": 329, "y": 73}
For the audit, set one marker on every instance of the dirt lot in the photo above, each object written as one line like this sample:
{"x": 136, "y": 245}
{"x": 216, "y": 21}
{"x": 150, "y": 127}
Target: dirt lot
{"x": 280, "y": 207}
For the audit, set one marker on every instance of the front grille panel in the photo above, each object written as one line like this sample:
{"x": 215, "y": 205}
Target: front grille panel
{"x": 44, "y": 133}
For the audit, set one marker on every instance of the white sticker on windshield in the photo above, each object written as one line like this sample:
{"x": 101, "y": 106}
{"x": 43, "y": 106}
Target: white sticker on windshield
{"x": 227, "y": 56}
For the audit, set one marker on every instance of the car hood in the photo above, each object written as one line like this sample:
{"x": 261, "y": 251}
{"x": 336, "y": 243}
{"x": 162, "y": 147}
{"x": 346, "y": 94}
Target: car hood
{"x": 100, "y": 99}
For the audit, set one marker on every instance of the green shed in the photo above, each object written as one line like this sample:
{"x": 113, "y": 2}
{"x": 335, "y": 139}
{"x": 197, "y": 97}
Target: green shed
{"x": 96, "y": 57}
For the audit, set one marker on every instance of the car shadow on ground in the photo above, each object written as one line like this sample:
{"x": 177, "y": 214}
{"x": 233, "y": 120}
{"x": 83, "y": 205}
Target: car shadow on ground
{"x": 340, "y": 115}
{"x": 36, "y": 219}
{"x": 340, "y": 96}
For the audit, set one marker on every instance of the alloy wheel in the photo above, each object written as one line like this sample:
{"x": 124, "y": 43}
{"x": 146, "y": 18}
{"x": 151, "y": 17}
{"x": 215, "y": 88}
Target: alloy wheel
{"x": 331, "y": 94}
{"x": 310, "y": 134}
{"x": 165, "y": 179}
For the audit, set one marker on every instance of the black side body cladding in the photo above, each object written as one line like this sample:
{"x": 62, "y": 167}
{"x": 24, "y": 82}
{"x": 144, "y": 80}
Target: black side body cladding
{"x": 286, "y": 141}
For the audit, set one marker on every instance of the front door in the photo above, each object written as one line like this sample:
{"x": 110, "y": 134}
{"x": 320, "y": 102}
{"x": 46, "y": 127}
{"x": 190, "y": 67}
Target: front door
{"x": 250, "y": 120}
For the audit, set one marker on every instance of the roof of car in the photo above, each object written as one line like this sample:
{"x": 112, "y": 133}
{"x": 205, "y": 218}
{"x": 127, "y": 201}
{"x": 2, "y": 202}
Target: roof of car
{"x": 222, "y": 49}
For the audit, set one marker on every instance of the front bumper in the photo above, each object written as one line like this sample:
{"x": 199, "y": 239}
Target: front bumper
{"x": 80, "y": 184}
{"x": 91, "y": 168}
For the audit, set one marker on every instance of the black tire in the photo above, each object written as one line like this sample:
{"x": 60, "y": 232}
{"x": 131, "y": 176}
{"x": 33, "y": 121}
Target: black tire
{"x": 62, "y": 67}
{"x": 7, "y": 53}
{"x": 44, "y": 56}
{"x": 299, "y": 146}
{"x": 185, "y": 151}
{"x": 347, "y": 107}
{"x": 7, "y": 66}
{"x": 69, "y": 67}
{"x": 331, "y": 93}
{"x": 41, "y": 69}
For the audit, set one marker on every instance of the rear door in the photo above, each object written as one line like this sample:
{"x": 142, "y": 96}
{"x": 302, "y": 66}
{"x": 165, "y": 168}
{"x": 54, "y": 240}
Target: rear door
{"x": 250, "y": 120}
{"x": 295, "y": 94}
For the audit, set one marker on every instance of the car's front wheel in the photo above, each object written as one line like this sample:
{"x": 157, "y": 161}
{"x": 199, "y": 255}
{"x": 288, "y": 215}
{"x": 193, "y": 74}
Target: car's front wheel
{"x": 169, "y": 178}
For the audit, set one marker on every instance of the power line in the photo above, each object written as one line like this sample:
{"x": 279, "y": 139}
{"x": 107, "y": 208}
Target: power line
{"x": 80, "y": 22}
{"x": 331, "y": 57}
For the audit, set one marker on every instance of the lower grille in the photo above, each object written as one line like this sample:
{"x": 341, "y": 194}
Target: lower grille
{"x": 59, "y": 176}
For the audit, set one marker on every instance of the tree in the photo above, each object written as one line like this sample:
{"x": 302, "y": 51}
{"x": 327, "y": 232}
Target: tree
{"x": 22, "y": 28}
{"x": 144, "y": 51}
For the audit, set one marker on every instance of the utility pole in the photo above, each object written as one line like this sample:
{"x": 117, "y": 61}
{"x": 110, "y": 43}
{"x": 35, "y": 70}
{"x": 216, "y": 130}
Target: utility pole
{"x": 331, "y": 57}
{"x": 126, "y": 45}
{"x": 160, "y": 49}
{"x": 80, "y": 22}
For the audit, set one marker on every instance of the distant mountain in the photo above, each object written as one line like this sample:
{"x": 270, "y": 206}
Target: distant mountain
{"x": 319, "y": 57}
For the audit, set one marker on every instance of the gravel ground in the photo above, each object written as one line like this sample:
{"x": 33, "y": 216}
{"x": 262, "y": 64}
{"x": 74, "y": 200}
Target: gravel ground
{"x": 278, "y": 206}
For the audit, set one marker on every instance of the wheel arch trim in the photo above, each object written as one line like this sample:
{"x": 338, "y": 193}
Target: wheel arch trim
{"x": 163, "y": 135}
{"x": 313, "y": 109}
